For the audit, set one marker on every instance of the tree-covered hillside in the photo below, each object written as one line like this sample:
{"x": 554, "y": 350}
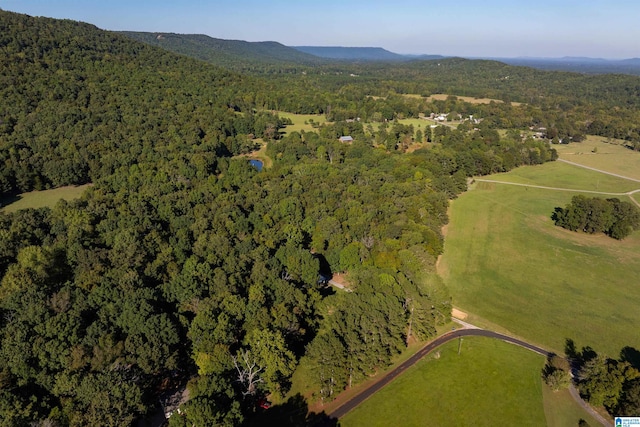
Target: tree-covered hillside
{"x": 80, "y": 103}
{"x": 235, "y": 54}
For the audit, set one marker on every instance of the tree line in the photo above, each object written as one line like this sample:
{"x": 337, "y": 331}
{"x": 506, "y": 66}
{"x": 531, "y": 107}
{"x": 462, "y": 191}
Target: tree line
{"x": 602, "y": 381}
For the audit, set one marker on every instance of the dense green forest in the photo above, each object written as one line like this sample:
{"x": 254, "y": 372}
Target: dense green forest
{"x": 184, "y": 265}
{"x": 80, "y": 103}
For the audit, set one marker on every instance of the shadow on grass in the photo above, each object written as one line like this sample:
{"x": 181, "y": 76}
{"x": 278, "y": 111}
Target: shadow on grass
{"x": 578, "y": 357}
{"x": 8, "y": 199}
{"x": 630, "y": 355}
{"x": 292, "y": 413}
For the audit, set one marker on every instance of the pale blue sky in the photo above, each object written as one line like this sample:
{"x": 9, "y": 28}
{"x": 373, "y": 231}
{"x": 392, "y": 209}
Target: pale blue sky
{"x": 497, "y": 28}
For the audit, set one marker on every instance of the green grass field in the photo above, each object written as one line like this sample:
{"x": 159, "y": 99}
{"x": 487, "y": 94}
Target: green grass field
{"x": 299, "y": 121}
{"x": 490, "y": 383}
{"x": 561, "y": 410}
{"x": 41, "y": 199}
{"x": 612, "y": 157}
{"x": 505, "y": 261}
{"x": 469, "y": 99}
{"x": 562, "y": 175}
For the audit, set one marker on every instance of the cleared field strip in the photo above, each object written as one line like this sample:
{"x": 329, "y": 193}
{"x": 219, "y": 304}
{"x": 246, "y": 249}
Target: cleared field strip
{"x": 570, "y": 176}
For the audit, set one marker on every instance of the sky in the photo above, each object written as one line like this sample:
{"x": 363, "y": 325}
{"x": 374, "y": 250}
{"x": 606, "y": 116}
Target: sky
{"x": 484, "y": 28}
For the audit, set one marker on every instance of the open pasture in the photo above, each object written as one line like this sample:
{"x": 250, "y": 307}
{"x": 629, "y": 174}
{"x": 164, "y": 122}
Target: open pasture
{"x": 489, "y": 383}
{"x": 506, "y": 261}
{"x": 597, "y": 153}
{"x": 566, "y": 176}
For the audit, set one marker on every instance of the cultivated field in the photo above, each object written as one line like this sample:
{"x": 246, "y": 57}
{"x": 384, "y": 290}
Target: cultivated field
{"x": 41, "y": 199}
{"x": 506, "y": 262}
{"x": 490, "y": 383}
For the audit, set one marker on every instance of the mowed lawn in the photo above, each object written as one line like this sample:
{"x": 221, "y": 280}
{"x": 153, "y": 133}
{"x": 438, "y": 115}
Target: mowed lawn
{"x": 490, "y": 383}
{"x": 41, "y": 199}
{"x": 505, "y": 261}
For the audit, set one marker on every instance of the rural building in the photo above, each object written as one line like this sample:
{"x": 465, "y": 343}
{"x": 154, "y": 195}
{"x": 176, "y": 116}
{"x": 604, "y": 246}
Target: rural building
{"x": 346, "y": 139}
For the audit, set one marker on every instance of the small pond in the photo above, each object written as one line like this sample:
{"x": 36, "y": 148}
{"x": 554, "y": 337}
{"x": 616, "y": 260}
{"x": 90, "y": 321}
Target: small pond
{"x": 256, "y": 164}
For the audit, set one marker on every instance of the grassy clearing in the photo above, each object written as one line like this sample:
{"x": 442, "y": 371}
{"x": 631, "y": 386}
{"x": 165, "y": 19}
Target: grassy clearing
{"x": 505, "y": 261}
{"x": 261, "y": 154}
{"x": 595, "y": 152}
{"x": 41, "y": 199}
{"x": 490, "y": 383}
{"x": 299, "y": 121}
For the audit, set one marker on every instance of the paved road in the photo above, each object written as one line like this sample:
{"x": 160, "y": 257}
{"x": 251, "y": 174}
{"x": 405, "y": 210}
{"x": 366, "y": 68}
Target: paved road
{"x": 429, "y": 347}
{"x": 576, "y": 396}
{"x": 357, "y": 400}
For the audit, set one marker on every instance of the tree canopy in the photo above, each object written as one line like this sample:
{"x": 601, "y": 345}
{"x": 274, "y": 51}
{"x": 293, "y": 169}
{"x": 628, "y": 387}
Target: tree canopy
{"x": 612, "y": 217}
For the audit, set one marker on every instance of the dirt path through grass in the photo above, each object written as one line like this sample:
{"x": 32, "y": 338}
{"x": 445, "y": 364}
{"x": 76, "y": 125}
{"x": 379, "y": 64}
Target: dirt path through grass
{"x": 573, "y": 190}
{"x": 598, "y": 170}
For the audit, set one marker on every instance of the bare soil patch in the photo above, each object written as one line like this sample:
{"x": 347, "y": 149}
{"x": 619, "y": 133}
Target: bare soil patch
{"x": 458, "y": 314}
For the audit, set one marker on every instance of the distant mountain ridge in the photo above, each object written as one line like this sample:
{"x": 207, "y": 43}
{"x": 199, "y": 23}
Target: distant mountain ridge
{"x": 224, "y": 52}
{"x": 239, "y": 54}
{"x": 584, "y": 65}
{"x": 351, "y": 53}
{"x": 361, "y": 53}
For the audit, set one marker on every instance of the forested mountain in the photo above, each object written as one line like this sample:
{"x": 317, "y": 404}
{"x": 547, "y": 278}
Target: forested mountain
{"x": 228, "y": 53}
{"x": 182, "y": 264}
